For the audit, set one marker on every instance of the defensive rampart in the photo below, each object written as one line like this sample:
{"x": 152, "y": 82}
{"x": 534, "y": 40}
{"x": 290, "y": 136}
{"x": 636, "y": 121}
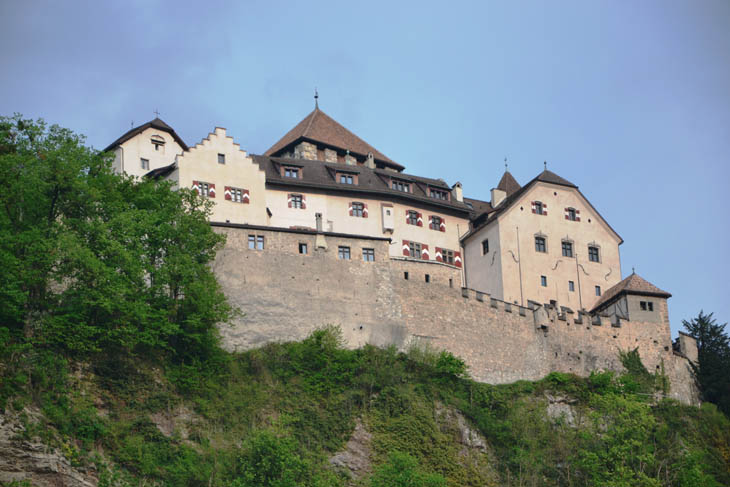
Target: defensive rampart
{"x": 285, "y": 294}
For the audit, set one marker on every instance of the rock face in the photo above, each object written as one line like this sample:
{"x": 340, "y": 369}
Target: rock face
{"x": 560, "y": 408}
{"x": 22, "y": 459}
{"x": 355, "y": 458}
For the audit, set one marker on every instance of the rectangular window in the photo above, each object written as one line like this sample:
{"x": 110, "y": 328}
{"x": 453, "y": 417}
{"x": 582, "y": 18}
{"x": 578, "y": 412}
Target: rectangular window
{"x": 259, "y": 242}
{"x": 412, "y": 217}
{"x": 538, "y": 207}
{"x": 447, "y": 256}
{"x": 291, "y": 172}
{"x": 368, "y": 255}
{"x": 252, "y": 242}
{"x": 428, "y": 278}
{"x": 204, "y": 189}
{"x": 439, "y": 194}
{"x": 221, "y": 158}
{"x": 540, "y": 244}
{"x": 346, "y": 179}
{"x": 567, "y": 249}
{"x": 145, "y": 163}
{"x": 357, "y": 209}
{"x": 646, "y": 306}
{"x": 598, "y": 290}
{"x": 401, "y": 186}
{"x": 236, "y": 195}
{"x": 296, "y": 201}
{"x": 593, "y": 254}
{"x": 414, "y": 249}
{"x": 435, "y": 223}
{"x": 570, "y": 214}
{"x": 571, "y": 286}
{"x": 302, "y": 248}
{"x": 343, "y": 252}
{"x": 543, "y": 281}
{"x": 485, "y": 246}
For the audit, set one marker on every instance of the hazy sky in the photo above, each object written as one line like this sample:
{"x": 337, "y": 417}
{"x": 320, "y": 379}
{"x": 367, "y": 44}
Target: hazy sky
{"x": 628, "y": 100}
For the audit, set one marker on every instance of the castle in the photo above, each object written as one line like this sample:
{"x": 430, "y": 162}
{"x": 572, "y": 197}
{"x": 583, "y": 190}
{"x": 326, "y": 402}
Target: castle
{"x": 323, "y": 228}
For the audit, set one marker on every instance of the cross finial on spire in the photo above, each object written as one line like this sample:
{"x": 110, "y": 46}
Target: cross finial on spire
{"x": 633, "y": 270}
{"x": 316, "y": 98}
{"x": 157, "y": 113}
{"x": 505, "y": 164}
{"x": 132, "y": 123}
{"x": 544, "y": 163}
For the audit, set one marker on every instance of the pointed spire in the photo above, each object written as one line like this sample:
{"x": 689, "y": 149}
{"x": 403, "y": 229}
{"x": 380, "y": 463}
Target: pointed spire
{"x": 545, "y": 165}
{"x": 505, "y": 165}
{"x": 316, "y": 99}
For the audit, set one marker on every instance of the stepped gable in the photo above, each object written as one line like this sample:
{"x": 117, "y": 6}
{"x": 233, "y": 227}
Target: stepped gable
{"x": 633, "y": 284}
{"x": 320, "y": 128}
{"x": 508, "y": 183}
{"x": 158, "y": 124}
{"x": 375, "y": 182}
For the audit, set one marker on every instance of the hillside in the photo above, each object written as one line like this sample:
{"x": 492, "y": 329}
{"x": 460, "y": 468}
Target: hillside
{"x": 312, "y": 413}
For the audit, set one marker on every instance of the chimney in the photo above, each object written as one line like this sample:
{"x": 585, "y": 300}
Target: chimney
{"x": 456, "y": 193}
{"x": 497, "y": 197}
{"x": 318, "y": 217}
{"x": 370, "y": 161}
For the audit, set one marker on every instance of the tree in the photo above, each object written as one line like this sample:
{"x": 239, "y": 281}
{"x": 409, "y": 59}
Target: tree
{"x": 712, "y": 371}
{"x": 402, "y": 470}
{"x": 96, "y": 261}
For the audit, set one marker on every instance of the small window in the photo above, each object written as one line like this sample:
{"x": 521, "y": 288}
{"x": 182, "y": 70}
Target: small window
{"x": 646, "y": 306}
{"x": 368, "y": 255}
{"x": 236, "y": 195}
{"x": 158, "y": 142}
{"x": 405, "y": 275}
{"x": 412, "y": 217}
{"x": 593, "y": 254}
{"x": 399, "y": 185}
{"x": 414, "y": 249}
{"x": 435, "y": 223}
{"x": 571, "y": 286}
{"x": 538, "y": 207}
{"x": 296, "y": 201}
{"x": 439, "y": 194}
{"x": 540, "y": 245}
{"x": 291, "y": 172}
{"x": 650, "y": 305}
{"x": 252, "y": 242}
{"x": 259, "y": 242}
{"x": 256, "y": 242}
{"x": 343, "y": 252}
{"x": 570, "y": 214}
{"x": 302, "y": 248}
{"x": 145, "y": 164}
{"x": 567, "y": 249}
{"x": 543, "y": 281}
{"x": 204, "y": 189}
{"x": 347, "y": 179}
{"x": 447, "y": 256}
{"x": 485, "y": 246}
{"x": 428, "y": 278}
{"x": 598, "y": 290}
{"x": 357, "y": 209}
{"x": 221, "y": 158}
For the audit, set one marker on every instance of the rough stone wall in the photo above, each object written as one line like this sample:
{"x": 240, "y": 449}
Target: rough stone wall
{"x": 285, "y": 296}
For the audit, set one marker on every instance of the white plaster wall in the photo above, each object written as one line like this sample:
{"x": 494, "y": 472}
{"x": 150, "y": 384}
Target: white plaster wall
{"x": 484, "y": 271}
{"x": 128, "y": 154}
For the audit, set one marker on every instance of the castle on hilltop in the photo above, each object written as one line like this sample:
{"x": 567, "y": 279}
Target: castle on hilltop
{"x": 323, "y": 228}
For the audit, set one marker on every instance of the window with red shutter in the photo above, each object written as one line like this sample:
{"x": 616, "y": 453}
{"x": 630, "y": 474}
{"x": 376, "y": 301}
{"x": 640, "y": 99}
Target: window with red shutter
{"x": 457, "y": 259}
{"x": 211, "y": 190}
{"x": 439, "y": 255}
{"x": 364, "y": 210}
{"x": 227, "y": 193}
{"x": 424, "y": 252}
{"x": 406, "y": 248}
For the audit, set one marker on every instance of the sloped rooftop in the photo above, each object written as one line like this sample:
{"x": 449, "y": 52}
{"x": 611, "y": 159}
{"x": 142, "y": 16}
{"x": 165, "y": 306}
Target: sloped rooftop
{"x": 158, "y": 124}
{"x": 633, "y": 284}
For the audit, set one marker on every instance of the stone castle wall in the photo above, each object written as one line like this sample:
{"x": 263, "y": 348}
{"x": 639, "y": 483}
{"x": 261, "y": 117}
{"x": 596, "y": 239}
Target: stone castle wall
{"x": 284, "y": 295}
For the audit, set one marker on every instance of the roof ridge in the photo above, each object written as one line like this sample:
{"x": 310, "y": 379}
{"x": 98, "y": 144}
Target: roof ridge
{"x": 311, "y": 121}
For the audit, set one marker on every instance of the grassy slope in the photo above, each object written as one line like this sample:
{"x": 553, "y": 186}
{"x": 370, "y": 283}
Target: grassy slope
{"x": 284, "y": 409}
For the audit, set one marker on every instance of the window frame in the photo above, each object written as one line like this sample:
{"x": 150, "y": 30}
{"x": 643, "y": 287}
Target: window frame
{"x": 543, "y": 281}
{"x": 291, "y": 172}
{"x": 256, "y": 241}
{"x": 412, "y": 217}
{"x": 344, "y": 252}
{"x": 598, "y": 290}
{"x": 368, "y": 254}
{"x": 297, "y": 201}
{"x": 566, "y": 247}
{"x": 541, "y": 241}
{"x": 144, "y": 164}
{"x": 597, "y": 253}
{"x": 539, "y": 210}
{"x": 434, "y": 222}
{"x": 303, "y": 248}
{"x": 415, "y": 249}
{"x": 571, "y": 214}
{"x": 221, "y": 158}
{"x": 571, "y": 286}
{"x": 358, "y": 209}
{"x": 447, "y": 256}
{"x": 443, "y": 194}
{"x": 485, "y": 246}
{"x": 400, "y": 185}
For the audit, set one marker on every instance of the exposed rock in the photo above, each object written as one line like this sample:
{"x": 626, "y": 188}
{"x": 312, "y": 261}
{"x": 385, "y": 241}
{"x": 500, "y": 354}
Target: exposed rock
{"x": 177, "y": 421}
{"x": 355, "y": 458}
{"x": 561, "y": 408}
{"x": 22, "y": 459}
{"x": 470, "y": 438}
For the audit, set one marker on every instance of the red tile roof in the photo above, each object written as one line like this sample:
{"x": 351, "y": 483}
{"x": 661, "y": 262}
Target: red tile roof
{"x": 320, "y": 127}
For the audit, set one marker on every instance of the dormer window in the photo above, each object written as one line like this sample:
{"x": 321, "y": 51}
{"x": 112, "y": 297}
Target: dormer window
{"x": 439, "y": 194}
{"x": 346, "y": 178}
{"x": 292, "y": 172}
{"x": 158, "y": 142}
{"x": 399, "y": 185}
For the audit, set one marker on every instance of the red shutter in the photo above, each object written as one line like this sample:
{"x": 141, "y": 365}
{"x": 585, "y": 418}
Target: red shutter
{"x": 442, "y": 227}
{"x": 544, "y": 209}
{"x": 288, "y": 199}
{"x": 245, "y": 197}
{"x": 577, "y": 215}
{"x": 227, "y": 193}
{"x": 350, "y": 208}
{"x": 439, "y": 255}
{"x": 408, "y": 220}
{"x": 424, "y": 252}
{"x": 196, "y": 187}
{"x": 533, "y": 207}
{"x": 420, "y": 219}
{"x": 406, "y": 249}
{"x": 457, "y": 259}
{"x": 364, "y": 210}
{"x": 566, "y": 214}
{"x": 211, "y": 190}
{"x": 304, "y": 202}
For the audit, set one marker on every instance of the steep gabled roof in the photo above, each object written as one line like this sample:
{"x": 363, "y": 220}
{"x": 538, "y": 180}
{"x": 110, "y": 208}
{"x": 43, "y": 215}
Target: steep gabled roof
{"x": 320, "y": 127}
{"x": 546, "y": 176}
{"x": 508, "y": 183}
{"x": 158, "y": 124}
{"x": 634, "y": 284}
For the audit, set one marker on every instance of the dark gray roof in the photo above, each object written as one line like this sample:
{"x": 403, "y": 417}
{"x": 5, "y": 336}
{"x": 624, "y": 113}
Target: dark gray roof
{"x": 321, "y": 175}
{"x": 508, "y": 183}
{"x": 634, "y": 284}
{"x": 157, "y": 124}
{"x": 161, "y": 171}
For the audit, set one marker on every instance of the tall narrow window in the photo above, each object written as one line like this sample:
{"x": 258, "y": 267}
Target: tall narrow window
{"x": 538, "y": 207}
{"x": 540, "y": 245}
{"x": 259, "y": 242}
{"x": 485, "y": 246}
{"x": 543, "y": 281}
{"x": 571, "y": 286}
{"x": 412, "y": 217}
{"x": 221, "y": 158}
{"x": 598, "y": 290}
{"x": 567, "y": 249}
{"x": 570, "y": 214}
{"x": 252, "y": 242}
{"x": 302, "y": 248}
{"x": 145, "y": 164}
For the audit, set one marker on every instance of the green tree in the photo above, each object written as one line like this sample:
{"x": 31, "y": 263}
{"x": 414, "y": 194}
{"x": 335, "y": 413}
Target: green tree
{"x": 402, "y": 470}
{"x": 266, "y": 460}
{"x": 712, "y": 371}
{"x": 97, "y": 261}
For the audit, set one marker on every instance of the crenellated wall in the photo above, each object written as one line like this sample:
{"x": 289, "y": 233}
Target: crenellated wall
{"x": 284, "y": 295}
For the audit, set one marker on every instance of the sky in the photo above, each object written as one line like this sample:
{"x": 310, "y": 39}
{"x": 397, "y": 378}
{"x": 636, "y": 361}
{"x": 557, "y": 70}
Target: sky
{"x": 628, "y": 100}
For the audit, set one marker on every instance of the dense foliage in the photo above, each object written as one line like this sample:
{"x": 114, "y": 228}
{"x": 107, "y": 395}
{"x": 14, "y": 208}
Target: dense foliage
{"x": 713, "y": 369}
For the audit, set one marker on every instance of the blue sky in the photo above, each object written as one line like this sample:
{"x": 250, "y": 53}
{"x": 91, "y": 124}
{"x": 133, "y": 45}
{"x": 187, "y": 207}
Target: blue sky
{"x": 628, "y": 100}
